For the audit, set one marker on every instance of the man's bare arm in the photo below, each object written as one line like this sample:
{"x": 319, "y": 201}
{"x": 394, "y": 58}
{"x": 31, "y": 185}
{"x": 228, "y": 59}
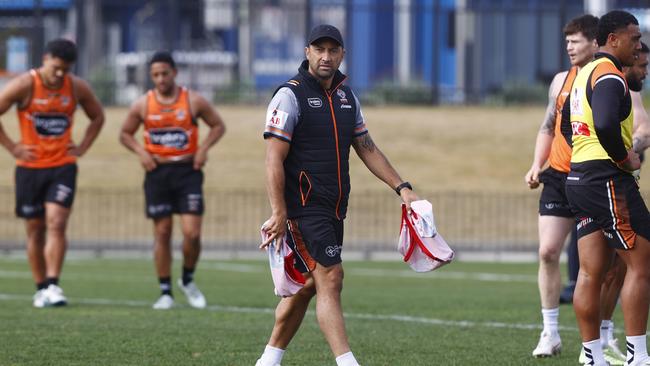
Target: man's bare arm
{"x": 641, "y": 136}
{"x": 379, "y": 165}
{"x": 16, "y": 92}
{"x": 209, "y": 115}
{"x": 546, "y": 133}
{"x": 276, "y": 152}
{"x": 95, "y": 113}
{"x": 127, "y": 133}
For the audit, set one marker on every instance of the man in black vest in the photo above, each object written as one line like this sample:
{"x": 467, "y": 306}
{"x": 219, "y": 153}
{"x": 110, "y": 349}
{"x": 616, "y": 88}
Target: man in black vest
{"x": 311, "y": 122}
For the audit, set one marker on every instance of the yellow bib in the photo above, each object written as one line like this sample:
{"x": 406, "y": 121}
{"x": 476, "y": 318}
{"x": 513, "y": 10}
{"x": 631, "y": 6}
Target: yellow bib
{"x": 586, "y": 146}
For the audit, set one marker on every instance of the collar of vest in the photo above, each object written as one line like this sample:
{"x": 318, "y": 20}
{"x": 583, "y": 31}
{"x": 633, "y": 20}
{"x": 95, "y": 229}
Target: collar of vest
{"x": 616, "y": 62}
{"x": 339, "y": 77}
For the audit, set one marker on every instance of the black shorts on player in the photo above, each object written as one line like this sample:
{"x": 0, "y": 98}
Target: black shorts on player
{"x": 614, "y": 206}
{"x": 315, "y": 239}
{"x": 35, "y": 186}
{"x": 173, "y": 188}
{"x": 553, "y": 200}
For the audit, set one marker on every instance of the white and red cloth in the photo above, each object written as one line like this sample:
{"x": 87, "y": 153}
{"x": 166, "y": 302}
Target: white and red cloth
{"x": 422, "y": 246}
{"x": 286, "y": 278}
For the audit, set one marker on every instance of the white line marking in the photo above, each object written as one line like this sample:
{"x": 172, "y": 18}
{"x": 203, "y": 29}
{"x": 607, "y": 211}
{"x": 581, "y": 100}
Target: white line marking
{"x": 270, "y": 311}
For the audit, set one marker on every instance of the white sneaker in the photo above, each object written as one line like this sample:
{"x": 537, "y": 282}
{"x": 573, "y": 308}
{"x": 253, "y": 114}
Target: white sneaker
{"x": 165, "y": 302}
{"x": 40, "y": 299}
{"x": 644, "y": 362}
{"x": 549, "y": 345}
{"x": 193, "y": 294}
{"x": 54, "y": 296}
{"x": 259, "y": 363}
{"x": 613, "y": 354}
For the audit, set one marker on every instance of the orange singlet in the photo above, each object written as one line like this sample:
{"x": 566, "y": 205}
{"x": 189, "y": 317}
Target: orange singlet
{"x": 560, "y": 157}
{"x": 46, "y": 123}
{"x": 169, "y": 130}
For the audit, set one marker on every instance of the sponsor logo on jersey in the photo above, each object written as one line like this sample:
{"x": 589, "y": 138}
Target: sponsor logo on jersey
{"x": 51, "y": 125}
{"x": 580, "y": 129}
{"x": 277, "y": 118}
{"x": 169, "y": 137}
{"x": 65, "y": 100}
{"x": 315, "y": 102}
{"x": 180, "y": 114}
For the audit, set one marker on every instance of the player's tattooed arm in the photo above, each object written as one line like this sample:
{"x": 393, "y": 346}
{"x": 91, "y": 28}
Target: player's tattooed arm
{"x": 548, "y": 123}
{"x": 365, "y": 142}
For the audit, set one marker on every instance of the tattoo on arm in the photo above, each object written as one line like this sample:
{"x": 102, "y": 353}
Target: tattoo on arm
{"x": 367, "y": 143}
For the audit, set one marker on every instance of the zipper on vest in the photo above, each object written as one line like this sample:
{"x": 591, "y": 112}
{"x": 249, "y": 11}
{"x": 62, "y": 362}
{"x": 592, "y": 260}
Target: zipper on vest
{"x": 338, "y": 157}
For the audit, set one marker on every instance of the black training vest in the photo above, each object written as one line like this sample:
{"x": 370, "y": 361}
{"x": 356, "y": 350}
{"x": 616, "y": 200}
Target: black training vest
{"x": 317, "y": 180}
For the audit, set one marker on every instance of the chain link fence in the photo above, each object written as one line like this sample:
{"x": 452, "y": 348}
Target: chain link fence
{"x": 104, "y": 220}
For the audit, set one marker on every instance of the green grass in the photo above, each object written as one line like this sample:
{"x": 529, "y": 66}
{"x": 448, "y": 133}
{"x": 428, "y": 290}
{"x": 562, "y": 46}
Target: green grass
{"x": 393, "y": 316}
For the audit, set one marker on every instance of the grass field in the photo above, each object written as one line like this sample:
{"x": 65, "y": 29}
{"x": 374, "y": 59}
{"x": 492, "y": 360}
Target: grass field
{"x": 463, "y": 314}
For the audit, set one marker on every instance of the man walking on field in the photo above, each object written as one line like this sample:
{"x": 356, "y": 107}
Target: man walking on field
{"x": 311, "y": 123}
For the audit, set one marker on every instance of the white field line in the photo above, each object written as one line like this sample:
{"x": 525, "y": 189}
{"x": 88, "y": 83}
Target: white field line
{"x": 270, "y": 311}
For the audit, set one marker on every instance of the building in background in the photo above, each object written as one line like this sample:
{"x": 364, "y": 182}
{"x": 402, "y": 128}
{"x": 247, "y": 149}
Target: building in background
{"x": 411, "y": 51}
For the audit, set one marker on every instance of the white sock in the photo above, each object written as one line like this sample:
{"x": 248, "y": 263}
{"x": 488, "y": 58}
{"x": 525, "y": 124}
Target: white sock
{"x": 606, "y": 331}
{"x": 594, "y": 352}
{"x": 550, "y": 319}
{"x": 636, "y": 348}
{"x": 346, "y": 359}
{"x": 272, "y": 356}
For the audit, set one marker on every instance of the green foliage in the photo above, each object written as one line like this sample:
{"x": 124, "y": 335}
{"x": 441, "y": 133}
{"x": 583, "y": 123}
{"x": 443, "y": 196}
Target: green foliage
{"x": 393, "y": 316}
{"x": 102, "y": 80}
{"x": 518, "y": 93}
{"x": 391, "y": 93}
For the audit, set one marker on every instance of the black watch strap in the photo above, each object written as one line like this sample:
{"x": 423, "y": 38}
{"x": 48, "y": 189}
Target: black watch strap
{"x": 399, "y": 188}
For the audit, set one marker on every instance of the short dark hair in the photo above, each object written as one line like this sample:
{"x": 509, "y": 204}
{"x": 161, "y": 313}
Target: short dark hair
{"x": 163, "y": 56}
{"x": 612, "y": 22}
{"x": 586, "y": 24}
{"x": 644, "y": 48}
{"x": 62, "y": 48}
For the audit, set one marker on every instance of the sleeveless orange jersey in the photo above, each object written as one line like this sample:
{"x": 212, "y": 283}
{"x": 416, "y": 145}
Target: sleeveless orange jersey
{"x": 169, "y": 129}
{"x": 46, "y": 122}
{"x": 560, "y": 157}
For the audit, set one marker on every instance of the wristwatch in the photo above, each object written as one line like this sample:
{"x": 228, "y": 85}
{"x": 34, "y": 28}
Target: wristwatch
{"x": 399, "y": 188}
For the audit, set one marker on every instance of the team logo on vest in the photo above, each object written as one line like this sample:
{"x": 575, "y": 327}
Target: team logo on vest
{"x": 51, "y": 125}
{"x": 342, "y": 96}
{"x": 169, "y": 137}
{"x": 315, "y": 102}
{"x": 65, "y": 100}
{"x": 180, "y": 115}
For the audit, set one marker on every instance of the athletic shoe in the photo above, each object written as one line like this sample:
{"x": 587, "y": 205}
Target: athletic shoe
{"x": 259, "y": 363}
{"x": 193, "y": 294}
{"x": 613, "y": 354}
{"x": 54, "y": 296}
{"x": 165, "y": 302}
{"x": 40, "y": 299}
{"x": 644, "y": 362}
{"x": 549, "y": 345}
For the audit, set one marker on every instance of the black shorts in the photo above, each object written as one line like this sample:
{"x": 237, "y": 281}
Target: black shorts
{"x": 614, "y": 206}
{"x": 173, "y": 188}
{"x": 315, "y": 239}
{"x": 35, "y": 186}
{"x": 553, "y": 200}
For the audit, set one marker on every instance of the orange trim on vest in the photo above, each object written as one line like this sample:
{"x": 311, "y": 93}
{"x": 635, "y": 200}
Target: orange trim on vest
{"x": 560, "y": 156}
{"x": 169, "y": 129}
{"x": 46, "y": 123}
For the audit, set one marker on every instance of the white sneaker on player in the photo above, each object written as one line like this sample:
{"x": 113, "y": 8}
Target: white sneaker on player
{"x": 644, "y": 362}
{"x": 549, "y": 345}
{"x": 613, "y": 354}
{"x": 40, "y": 299}
{"x": 54, "y": 296}
{"x": 259, "y": 363}
{"x": 194, "y": 296}
{"x": 165, "y": 302}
